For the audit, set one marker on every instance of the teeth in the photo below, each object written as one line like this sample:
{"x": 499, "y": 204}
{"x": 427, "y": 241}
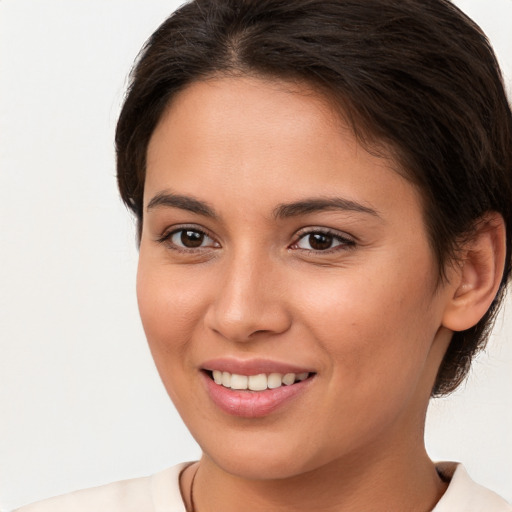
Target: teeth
{"x": 288, "y": 379}
{"x": 239, "y": 381}
{"x": 275, "y": 380}
{"x": 258, "y": 382}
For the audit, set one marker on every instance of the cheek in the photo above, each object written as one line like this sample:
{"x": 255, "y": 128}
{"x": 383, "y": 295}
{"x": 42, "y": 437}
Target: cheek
{"x": 170, "y": 304}
{"x": 376, "y": 346}
{"x": 374, "y": 327}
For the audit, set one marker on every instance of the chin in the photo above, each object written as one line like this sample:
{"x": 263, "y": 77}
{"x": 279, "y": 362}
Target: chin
{"x": 267, "y": 467}
{"x": 272, "y": 457}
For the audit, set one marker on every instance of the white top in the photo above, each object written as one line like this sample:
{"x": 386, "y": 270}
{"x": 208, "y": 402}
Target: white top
{"x": 161, "y": 493}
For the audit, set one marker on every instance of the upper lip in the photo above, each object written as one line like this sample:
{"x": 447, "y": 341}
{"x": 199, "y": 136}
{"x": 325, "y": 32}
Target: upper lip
{"x": 252, "y": 366}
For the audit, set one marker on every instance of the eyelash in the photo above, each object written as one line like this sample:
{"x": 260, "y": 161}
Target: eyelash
{"x": 344, "y": 242}
{"x": 166, "y": 239}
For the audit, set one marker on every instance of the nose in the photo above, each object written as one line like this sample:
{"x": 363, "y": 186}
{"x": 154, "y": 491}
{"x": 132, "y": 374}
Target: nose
{"x": 251, "y": 300}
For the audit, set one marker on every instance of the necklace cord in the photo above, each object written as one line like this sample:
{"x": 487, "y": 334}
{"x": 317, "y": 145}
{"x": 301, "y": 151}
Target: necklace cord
{"x": 191, "y": 494}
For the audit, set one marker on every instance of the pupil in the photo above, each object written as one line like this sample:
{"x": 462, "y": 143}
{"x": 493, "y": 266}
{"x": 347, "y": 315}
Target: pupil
{"x": 320, "y": 241}
{"x": 191, "y": 238}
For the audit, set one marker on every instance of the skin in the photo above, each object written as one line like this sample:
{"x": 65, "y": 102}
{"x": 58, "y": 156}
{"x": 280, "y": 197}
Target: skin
{"x": 367, "y": 315}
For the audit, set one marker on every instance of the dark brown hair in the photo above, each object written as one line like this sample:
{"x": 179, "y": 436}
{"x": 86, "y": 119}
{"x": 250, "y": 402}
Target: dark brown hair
{"x": 417, "y": 76}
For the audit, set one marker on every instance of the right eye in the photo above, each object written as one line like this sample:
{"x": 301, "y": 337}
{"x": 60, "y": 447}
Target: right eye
{"x": 188, "y": 239}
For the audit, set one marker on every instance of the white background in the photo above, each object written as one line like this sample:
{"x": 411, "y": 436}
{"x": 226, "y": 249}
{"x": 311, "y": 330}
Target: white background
{"x": 80, "y": 401}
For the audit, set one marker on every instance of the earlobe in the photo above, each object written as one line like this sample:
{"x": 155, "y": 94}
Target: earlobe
{"x": 477, "y": 277}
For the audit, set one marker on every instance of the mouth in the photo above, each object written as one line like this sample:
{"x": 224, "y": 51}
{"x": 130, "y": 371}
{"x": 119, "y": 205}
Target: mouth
{"x": 254, "y": 389}
{"x": 259, "y": 382}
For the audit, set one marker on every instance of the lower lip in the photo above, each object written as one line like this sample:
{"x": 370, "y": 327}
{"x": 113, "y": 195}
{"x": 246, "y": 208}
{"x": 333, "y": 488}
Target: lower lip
{"x": 253, "y": 404}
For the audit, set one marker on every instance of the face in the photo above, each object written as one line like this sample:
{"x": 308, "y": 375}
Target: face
{"x": 277, "y": 254}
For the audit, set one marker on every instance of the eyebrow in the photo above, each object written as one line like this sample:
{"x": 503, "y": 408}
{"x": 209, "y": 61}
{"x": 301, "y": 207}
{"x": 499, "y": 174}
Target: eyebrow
{"x": 314, "y": 205}
{"x": 189, "y": 203}
{"x": 282, "y": 211}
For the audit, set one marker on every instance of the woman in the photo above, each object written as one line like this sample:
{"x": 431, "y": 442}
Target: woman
{"x": 322, "y": 190}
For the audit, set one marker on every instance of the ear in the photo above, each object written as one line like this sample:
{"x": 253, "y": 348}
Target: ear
{"x": 477, "y": 276}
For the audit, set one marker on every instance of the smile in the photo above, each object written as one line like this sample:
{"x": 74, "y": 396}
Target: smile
{"x": 260, "y": 382}
{"x": 254, "y": 389}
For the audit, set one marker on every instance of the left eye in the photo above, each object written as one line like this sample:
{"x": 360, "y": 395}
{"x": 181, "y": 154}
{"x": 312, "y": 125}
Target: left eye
{"x": 191, "y": 239}
{"x": 320, "y": 241}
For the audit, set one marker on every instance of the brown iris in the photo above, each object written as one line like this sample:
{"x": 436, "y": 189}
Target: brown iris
{"x": 191, "y": 239}
{"x": 320, "y": 241}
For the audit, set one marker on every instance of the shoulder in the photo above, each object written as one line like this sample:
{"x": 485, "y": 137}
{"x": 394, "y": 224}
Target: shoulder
{"x": 465, "y": 495}
{"x": 154, "y": 493}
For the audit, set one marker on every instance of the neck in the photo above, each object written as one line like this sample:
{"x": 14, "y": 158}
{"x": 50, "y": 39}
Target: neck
{"x": 402, "y": 481}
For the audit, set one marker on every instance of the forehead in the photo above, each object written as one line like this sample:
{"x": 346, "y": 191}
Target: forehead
{"x": 234, "y": 113}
